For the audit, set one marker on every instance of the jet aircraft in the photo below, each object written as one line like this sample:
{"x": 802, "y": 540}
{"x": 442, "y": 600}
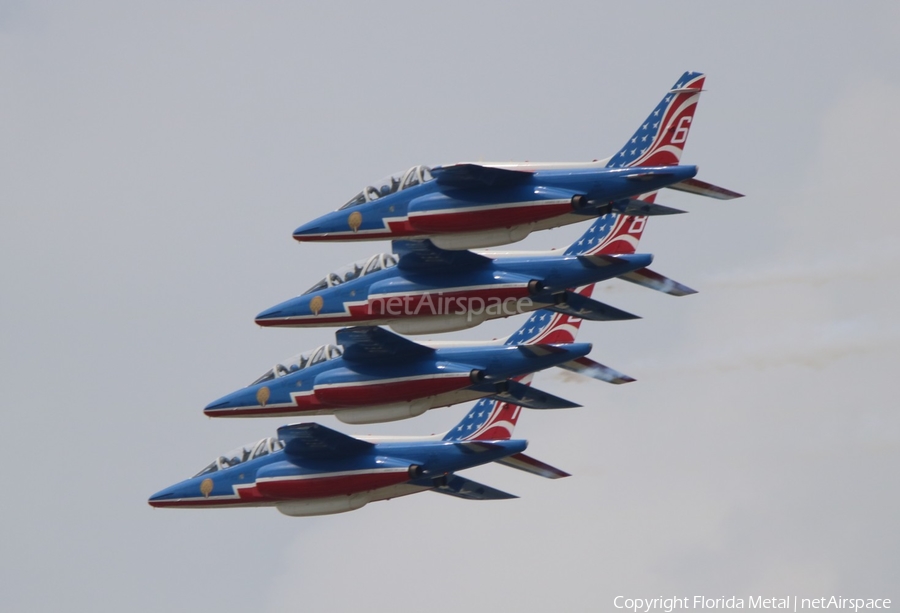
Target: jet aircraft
{"x": 461, "y": 206}
{"x": 372, "y": 375}
{"x": 312, "y": 470}
{"x": 309, "y": 469}
{"x": 432, "y": 290}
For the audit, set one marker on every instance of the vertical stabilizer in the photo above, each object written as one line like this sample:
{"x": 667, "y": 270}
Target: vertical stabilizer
{"x": 611, "y": 234}
{"x": 660, "y": 140}
{"x": 488, "y": 420}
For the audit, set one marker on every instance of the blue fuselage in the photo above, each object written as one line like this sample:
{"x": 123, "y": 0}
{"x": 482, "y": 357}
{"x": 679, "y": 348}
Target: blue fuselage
{"x": 544, "y": 199}
{"x": 389, "y": 389}
{"x": 307, "y": 486}
{"x": 446, "y": 298}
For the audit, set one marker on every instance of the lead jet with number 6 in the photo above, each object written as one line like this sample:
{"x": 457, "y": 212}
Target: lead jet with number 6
{"x": 461, "y": 206}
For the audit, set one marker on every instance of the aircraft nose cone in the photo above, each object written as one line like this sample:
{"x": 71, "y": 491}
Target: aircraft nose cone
{"x": 237, "y": 403}
{"x": 313, "y": 227}
{"x": 217, "y": 406}
{"x": 265, "y": 318}
{"x": 159, "y": 498}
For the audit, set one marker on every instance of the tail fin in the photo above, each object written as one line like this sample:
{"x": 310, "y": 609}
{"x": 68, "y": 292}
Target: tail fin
{"x": 488, "y": 420}
{"x": 614, "y": 234}
{"x": 495, "y": 420}
{"x": 660, "y": 140}
{"x": 545, "y": 326}
{"x": 611, "y": 234}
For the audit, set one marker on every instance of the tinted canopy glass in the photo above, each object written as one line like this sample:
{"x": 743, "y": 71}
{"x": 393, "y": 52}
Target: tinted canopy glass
{"x": 390, "y": 184}
{"x": 243, "y": 454}
{"x": 354, "y": 271}
{"x": 301, "y": 361}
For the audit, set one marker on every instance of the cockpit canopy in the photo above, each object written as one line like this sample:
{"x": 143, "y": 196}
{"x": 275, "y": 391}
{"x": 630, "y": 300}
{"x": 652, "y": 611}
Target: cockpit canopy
{"x": 301, "y": 361}
{"x": 243, "y": 454}
{"x": 352, "y": 271}
{"x": 390, "y": 184}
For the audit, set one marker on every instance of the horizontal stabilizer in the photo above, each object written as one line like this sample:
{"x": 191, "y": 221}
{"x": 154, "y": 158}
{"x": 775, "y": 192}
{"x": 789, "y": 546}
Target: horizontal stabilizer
{"x": 422, "y": 256}
{"x": 454, "y": 485}
{"x": 513, "y": 392}
{"x": 642, "y": 208}
{"x": 374, "y": 344}
{"x": 648, "y": 175}
{"x": 594, "y": 370}
{"x": 530, "y": 465}
{"x": 573, "y": 303}
{"x": 315, "y": 441}
{"x": 604, "y": 260}
{"x": 477, "y": 446}
{"x": 654, "y": 280}
{"x": 702, "y": 188}
{"x": 686, "y": 90}
{"x": 475, "y": 175}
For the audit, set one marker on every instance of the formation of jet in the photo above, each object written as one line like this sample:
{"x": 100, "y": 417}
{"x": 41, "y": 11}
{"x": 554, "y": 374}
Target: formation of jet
{"x": 428, "y": 283}
{"x": 308, "y": 469}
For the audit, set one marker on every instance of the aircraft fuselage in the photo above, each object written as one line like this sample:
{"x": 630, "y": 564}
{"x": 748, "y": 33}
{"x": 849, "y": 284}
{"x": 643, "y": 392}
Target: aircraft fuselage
{"x": 483, "y": 216}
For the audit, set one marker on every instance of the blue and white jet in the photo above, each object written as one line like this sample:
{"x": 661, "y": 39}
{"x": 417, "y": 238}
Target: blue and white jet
{"x": 308, "y": 469}
{"x": 373, "y": 375}
{"x": 462, "y": 206}
{"x": 422, "y": 289}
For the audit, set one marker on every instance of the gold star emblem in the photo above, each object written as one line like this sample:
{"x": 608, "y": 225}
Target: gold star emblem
{"x": 262, "y": 396}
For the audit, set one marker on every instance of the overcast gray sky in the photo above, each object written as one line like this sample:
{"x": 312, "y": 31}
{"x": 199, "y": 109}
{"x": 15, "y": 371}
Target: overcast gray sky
{"x": 155, "y": 157}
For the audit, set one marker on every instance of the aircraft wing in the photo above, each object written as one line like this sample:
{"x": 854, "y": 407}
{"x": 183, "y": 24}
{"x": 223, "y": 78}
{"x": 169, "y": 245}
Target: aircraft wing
{"x": 527, "y": 396}
{"x": 573, "y": 303}
{"x": 654, "y": 280}
{"x": 315, "y": 441}
{"x": 702, "y": 188}
{"x": 374, "y": 344}
{"x": 454, "y": 485}
{"x": 422, "y": 256}
{"x": 637, "y": 208}
{"x": 475, "y": 175}
{"x": 533, "y": 466}
{"x": 589, "y": 368}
